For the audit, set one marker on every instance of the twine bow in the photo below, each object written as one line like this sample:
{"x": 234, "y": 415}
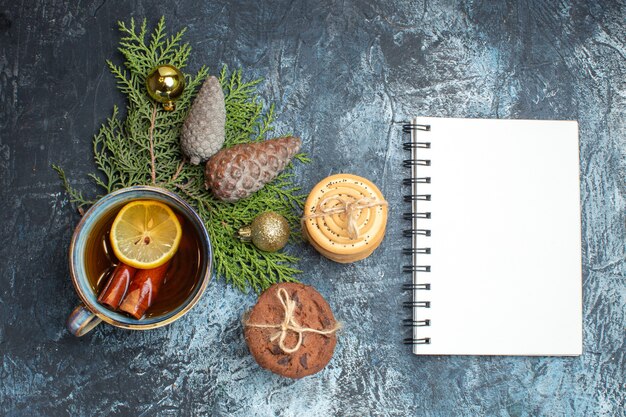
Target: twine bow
{"x": 290, "y": 324}
{"x": 349, "y": 207}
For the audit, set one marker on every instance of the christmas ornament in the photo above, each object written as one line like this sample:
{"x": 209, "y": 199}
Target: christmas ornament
{"x": 165, "y": 84}
{"x": 239, "y": 171}
{"x": 203, "y": 132}
{"x": 345, "y": 217}
{"x": 269, "y": 232}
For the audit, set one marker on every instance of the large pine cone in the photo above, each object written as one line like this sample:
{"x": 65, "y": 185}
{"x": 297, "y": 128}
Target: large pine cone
{"x": 237, "y": 172}
{"x": 203, "y": 132}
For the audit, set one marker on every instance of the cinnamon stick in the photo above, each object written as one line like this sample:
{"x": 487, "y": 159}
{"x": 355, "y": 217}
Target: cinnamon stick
{"x": 143, "y": 290}
{"x": 115, "y": 289}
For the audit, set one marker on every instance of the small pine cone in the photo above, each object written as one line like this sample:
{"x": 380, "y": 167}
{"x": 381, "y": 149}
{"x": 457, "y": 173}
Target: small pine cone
{"x": 203, "y": 132}
{"x": 241, "y": 170}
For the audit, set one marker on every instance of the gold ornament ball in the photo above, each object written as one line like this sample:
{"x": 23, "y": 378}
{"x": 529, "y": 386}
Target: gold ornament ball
{"x": 269, "y": 232}
{"x": 165, "y": 84}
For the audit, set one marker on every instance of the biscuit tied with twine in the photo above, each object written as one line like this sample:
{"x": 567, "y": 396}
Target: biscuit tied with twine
{"x": 349, "y": 207}
{"x": 289, "y": 324}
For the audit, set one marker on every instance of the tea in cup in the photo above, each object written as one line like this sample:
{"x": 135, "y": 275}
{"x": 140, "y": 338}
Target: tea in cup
{"x": 124, "y": 294}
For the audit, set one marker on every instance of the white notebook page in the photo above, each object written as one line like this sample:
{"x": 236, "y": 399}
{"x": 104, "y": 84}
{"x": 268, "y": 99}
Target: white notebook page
{"x": 505, "y": 238}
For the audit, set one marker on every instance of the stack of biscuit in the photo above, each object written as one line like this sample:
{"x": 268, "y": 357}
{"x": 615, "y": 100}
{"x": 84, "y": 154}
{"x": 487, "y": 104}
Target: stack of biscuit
{"x": 345, "y": 218}
{"x": 310, "y": 317}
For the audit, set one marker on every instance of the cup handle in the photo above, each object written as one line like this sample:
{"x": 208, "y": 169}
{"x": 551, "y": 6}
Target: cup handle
{"x": 81, "y": 321}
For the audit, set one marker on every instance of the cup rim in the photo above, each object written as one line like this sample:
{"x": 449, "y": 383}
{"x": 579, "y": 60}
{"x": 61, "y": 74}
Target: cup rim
{"x": 189, "y": 304}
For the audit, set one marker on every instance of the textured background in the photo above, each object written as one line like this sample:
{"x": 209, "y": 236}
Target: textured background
{"x": 343, "y": 75}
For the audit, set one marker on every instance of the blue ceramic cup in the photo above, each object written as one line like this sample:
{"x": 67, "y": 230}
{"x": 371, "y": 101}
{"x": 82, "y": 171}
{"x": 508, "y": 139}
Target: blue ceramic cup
{"x": 90, "y": 313}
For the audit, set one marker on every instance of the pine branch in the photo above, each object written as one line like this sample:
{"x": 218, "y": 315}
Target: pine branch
{"x": 76, "y": 197}
{"x": 144, "y": 148}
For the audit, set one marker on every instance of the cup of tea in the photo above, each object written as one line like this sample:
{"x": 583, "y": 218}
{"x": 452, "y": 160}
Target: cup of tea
{"x": 92, "y": 262}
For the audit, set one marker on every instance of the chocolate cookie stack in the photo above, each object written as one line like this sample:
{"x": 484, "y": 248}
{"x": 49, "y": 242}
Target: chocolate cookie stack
{"x": 291, "y": 331}
{"x": 345, "y": 218}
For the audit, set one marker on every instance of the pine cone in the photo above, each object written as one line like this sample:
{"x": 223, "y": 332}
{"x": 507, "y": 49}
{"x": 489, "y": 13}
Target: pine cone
{"x": 203, "y": 132}
{"x": 241, "y": 170}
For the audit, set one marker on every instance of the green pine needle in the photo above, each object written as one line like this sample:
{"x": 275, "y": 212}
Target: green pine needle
{"x": 122, "y": 155}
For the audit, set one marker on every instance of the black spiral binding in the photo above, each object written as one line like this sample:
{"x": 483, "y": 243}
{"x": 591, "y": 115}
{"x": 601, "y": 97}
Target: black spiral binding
{"x": 412, "y": 269}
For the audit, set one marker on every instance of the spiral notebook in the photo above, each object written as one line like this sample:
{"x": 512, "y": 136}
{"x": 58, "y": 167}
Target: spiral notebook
{"x": 495, "y": 254}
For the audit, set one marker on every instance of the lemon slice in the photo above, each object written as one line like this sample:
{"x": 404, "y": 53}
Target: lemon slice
{"x": 145, "y": 234}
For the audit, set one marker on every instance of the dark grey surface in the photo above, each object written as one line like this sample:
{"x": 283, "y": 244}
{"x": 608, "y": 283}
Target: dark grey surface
{"x": 341, "y": 74}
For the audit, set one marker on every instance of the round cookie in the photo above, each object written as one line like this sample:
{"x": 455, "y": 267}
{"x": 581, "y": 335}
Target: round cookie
{"x": 311, "y": 311}
{"x": 343, "y": 259}
{"x": 329, "y": 234}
